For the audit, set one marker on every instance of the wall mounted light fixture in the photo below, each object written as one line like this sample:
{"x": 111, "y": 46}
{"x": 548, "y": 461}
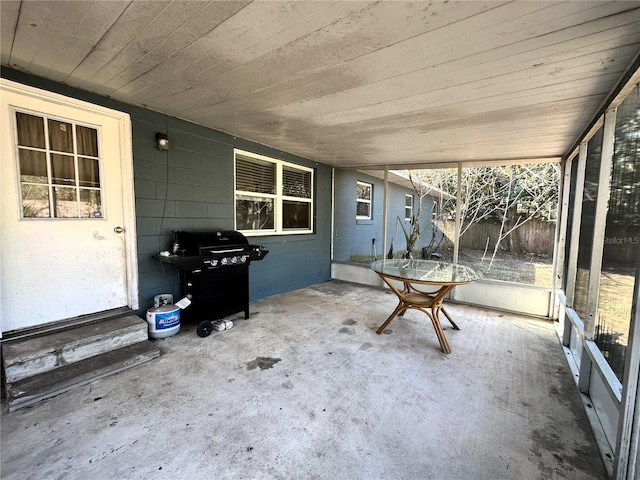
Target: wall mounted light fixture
{"x": 162, "y": 141}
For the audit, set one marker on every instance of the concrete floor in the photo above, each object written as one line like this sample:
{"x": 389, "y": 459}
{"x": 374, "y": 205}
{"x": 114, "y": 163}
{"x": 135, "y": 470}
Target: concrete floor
{"x": 305, "y": 389}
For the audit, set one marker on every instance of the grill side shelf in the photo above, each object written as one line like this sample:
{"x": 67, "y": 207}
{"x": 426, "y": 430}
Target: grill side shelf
{"x": 187, "y": 263}
{"x": 258, "y": 252}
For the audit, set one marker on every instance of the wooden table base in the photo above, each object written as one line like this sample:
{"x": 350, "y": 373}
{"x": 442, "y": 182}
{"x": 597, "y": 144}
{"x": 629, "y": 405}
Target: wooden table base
{"x": 430, "y": 303}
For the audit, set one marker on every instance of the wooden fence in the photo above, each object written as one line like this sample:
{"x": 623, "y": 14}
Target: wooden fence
{"x": 535, "y": 236}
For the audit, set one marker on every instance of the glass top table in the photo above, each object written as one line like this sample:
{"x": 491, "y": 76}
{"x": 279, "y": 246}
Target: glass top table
{"x": 441, "y": 277}
{"x": 425, "y": 271}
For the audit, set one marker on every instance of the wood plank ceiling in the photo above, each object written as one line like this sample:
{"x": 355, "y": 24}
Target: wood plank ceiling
{"x": 350, "y": 83}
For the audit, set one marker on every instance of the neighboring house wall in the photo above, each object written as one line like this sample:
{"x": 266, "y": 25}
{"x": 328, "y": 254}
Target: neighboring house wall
{"x": 353, "y": 238}
{"x": 190, "y": 187}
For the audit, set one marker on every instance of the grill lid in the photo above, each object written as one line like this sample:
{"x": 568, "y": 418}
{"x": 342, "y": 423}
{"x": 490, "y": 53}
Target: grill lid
{"x": 206, "y": 243}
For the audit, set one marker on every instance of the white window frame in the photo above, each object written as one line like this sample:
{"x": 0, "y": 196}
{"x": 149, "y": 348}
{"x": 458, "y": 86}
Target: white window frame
{"x": 48, "y": 151}
{"x": 278, "y": 197}
{"x": 408, "y": 208}
{"x": 368, "y": 201}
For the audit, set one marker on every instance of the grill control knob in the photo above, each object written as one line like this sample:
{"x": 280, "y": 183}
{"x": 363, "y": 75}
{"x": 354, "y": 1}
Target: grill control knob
{"x": 234, "y": 259}
{"x": 224, "y": 261}
{"x": 243, "y": 259}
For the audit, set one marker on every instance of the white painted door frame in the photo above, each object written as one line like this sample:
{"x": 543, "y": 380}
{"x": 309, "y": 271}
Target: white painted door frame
{"x": 126, "y": 156}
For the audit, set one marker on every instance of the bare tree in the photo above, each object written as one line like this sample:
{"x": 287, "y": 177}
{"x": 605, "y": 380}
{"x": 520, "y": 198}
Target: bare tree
{"x": 511, "y": 195}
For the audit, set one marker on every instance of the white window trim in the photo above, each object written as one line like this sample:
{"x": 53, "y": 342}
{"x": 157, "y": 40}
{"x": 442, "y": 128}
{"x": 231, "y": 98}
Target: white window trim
{"x": 410, "y": 207}
{"x": 47, "y": 150}
{"x": 364, "y": 200}
{"x": 278, "y": 197}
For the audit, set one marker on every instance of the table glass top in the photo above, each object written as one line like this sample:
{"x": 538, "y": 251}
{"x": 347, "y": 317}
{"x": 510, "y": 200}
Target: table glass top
{"x": 428, "y": 271}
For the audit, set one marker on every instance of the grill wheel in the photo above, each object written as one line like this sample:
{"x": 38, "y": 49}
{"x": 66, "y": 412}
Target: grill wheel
{"x": 204, "y": 328}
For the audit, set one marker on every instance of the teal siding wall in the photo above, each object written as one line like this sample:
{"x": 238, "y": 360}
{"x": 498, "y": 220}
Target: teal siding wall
{"x": 190, "y": 187}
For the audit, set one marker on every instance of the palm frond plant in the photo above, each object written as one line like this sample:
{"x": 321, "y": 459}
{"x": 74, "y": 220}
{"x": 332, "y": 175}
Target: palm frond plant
{"x": 412, "y": 236}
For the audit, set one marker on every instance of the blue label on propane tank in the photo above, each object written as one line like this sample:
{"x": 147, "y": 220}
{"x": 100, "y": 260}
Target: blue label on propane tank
{"x": 167, "y": 319}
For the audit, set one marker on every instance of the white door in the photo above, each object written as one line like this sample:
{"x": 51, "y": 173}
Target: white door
{"x": 67, "y": 227}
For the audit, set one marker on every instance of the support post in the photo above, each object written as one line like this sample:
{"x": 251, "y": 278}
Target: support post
{"x": 627, "y": 464}
{"x": 575, "y": 225}
{"x": 384, "y": 212}
{"x": 456, "y": 244}
{"x": 560, "y": 237}
{"x": 600, "y": 221}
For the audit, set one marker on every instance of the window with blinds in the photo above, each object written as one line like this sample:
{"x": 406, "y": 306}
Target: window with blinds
{"x": 272, "y": 196}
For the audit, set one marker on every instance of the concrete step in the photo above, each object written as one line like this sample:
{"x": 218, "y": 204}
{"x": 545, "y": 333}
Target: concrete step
{"x": 34, "y": 356}
{"x": 28, "y": 391}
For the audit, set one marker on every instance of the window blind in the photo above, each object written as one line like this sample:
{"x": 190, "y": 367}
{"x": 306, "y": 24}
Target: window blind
{"x": 296, "y": 183}
{"x": 254, "y": 175}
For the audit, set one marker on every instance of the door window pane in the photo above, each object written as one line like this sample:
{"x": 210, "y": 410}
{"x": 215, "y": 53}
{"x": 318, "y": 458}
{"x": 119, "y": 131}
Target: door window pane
{"x": 89, "y": 172}
{"x": 35, "y": 201}
{"x": 621, "y": 254}
{"x": 90, "y": 203}
{"x": 87, "y": 141}
{"x": 60, "y": 136}
{"x": 30, "y": 130}
{"x": 62, "y": 170}
{"x": 66, "y": 204}
{"x": 33, "y": 166}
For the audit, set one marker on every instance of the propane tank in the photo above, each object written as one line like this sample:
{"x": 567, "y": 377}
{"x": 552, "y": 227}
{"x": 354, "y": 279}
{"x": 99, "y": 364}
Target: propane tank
{"x": 164, "y": 321}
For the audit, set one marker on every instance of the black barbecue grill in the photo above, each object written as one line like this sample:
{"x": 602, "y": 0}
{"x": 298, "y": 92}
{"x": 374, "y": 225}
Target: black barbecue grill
{"x": 214, "y": 270}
